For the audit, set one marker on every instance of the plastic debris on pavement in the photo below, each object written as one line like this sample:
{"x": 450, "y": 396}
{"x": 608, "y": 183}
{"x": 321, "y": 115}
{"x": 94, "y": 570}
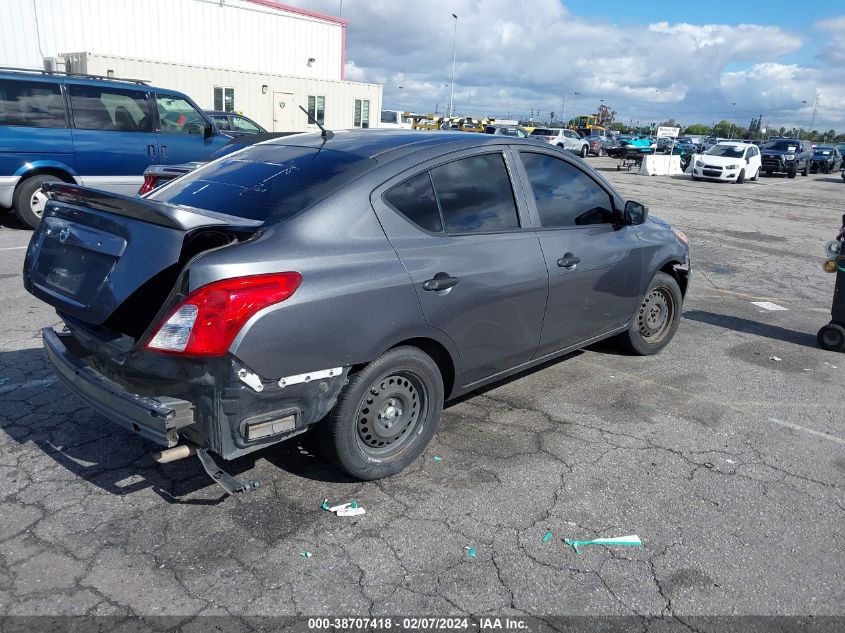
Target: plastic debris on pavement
{"x": 306, "y": 554}
{"x": 626, "y": 541}
{"x": 351, "y": 509}
{"x": 470, "y": 551}
{"x": 437, "y": 458}
{"x": 775, "y": 358}
{"x": 546, "y": 537}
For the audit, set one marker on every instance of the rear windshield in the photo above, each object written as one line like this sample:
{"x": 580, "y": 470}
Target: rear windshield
{"x": 265, "y": 182}
{"x": 542, "y": 132}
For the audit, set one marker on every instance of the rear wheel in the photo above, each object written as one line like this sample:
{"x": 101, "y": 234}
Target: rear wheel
{"x": 657, "y": 317}
{"x": 29, "y": 200}
{"x": 584, "y": 150}
{"x": 756, "y": 175}
{"x": 806, "y": 171}
{"x": 741, "y": 178}
{"x": 602, "y": 152}
{"x": 386, "y": 415}
{"x": 832, "y": 337}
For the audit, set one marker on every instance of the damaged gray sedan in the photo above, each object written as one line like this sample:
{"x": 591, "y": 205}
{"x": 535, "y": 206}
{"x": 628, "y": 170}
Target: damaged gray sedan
{"x": 353, "y": 281}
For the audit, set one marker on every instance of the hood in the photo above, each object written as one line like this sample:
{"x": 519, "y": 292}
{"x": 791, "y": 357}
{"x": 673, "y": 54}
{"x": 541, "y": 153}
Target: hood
{"x": 720, "y": 161}
{"x": 656, "y": 219}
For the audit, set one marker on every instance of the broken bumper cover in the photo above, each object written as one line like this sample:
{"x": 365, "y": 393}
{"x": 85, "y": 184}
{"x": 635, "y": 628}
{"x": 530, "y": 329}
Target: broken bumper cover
{"x": 157, "y": 418}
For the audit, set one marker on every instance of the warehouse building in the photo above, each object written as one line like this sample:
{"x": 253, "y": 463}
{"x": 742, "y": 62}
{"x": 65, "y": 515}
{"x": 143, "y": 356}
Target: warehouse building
{"x": 258, "y": 57}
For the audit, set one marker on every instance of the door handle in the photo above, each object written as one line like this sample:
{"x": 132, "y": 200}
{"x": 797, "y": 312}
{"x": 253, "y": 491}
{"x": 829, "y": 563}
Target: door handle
{"x": 151, "y": 151}
{"x": 568, "y": 261}
{"x": 440, "y": 283}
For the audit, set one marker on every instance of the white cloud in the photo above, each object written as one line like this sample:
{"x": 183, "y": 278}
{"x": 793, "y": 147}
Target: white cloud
{"x": 516, "y": 56}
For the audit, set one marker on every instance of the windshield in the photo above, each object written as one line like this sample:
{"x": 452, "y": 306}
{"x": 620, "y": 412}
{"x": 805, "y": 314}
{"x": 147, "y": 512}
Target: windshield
{"x": 265, "y": 182}
{"x": 783, "y": 146}
{"x": 388, "y": 116}
{"x": 728, "y": 151}
{"x": 823, "y": 151}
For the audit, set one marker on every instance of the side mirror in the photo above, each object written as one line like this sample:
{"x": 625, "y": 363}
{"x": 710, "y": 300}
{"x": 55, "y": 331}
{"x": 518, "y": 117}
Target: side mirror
{"x": 208, "y": 130}
{"x": 635, "y": 213}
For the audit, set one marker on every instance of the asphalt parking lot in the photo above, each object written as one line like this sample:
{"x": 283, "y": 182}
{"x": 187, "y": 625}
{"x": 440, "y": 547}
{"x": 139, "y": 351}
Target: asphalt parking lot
{"x": 725, "y": 454}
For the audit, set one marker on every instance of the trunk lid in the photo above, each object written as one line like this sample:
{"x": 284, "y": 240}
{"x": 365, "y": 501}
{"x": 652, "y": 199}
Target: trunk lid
{"x": 95, "y": 250}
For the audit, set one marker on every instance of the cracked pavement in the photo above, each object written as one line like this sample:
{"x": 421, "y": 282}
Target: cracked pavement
{"x": 728, "y": 464}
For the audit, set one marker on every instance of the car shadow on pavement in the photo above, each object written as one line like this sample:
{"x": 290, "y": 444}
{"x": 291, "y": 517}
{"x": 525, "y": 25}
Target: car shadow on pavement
{"x": 36, "y": 410}
{"x": 8, "y": 220}
{"x": 747, "y": 326}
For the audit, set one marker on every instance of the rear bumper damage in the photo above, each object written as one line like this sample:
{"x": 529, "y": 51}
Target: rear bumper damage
{"x": 214, "y": 403}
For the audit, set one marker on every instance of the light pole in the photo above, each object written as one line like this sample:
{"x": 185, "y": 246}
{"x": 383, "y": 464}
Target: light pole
{"x": 731, "y": 128}
{"x": 654, "y": 108}
{"x": 452, "y": 82}
{"x": 576, "y": 93}
{"x": 800, "y": 132}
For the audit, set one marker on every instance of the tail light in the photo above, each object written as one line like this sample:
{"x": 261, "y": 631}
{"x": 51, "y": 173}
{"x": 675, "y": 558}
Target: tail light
{"x": 209, "y": 319}
{"x": 148, "y": 185}
{"x": 550, "y": 138}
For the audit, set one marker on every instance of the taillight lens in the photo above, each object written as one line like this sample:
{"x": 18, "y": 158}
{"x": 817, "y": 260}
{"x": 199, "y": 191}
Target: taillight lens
{"x": 209, "y": 319}
{"x": 148, "y": 185}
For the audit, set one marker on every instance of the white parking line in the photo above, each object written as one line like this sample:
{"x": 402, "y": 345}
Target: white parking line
{"x": 27, "y": 385}
{"x": 13, "y": 248}
{"x": 768, "y": 305}
{"x": 798, "y": 427}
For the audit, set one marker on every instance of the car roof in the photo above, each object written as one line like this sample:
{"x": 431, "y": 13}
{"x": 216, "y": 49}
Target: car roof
{"x": 45, "y": 76}
{"x": 373, "y": 143}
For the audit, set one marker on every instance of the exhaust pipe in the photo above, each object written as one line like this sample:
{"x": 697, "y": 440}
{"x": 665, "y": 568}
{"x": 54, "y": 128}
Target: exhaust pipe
{"x": 174, "y": 454}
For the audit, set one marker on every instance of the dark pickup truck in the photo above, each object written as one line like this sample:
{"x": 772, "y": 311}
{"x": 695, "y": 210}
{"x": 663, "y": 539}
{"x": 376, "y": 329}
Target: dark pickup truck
{"x": 787, "y": 156}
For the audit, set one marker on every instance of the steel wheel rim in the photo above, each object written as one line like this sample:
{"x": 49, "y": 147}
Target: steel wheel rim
{"x": 391, "y": 414}
{"x": 37, "y": 202}
{"x": 657, "y": 312}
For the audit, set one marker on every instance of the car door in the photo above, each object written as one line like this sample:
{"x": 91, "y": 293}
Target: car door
{"x": 181, "y": 132}
{"x": 113, "y": 136}
{"x": 594, "y": 262}
{"x": 479, "y": 276}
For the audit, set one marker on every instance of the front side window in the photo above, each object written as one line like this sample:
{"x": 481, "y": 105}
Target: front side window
{"x": 475, "y": 194}
{"x": 177, "y": 116}
{"x": 415, "y": 199}
{"x": 242, "y": 124}
{"x": 317, "y": 108}
{"x": 565, "y": 195}
{"x": 96, "y": 108}
{"x": 31, "y": 104}
{"x": 362, "y": 113}
{"x": 221, "y": 121}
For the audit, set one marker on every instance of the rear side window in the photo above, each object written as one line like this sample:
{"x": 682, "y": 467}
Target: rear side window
{"x": 31, "y": 104}
{"x": 415, "y": 199}
{"x": 265, "y": 182}
{"x": 107, "y": 108}
{"x": 564, "y": 194}
{"x": 475, "y": 194}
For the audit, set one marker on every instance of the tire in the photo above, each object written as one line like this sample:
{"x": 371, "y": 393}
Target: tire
{"x": 832, "y": 337}
{"x": 793, "y": 171}
{"x": 656, "y": 319}
{"x": 403, "y": 383}
{"x": 694, "y": 177}
{"x": 29, "y": 201}
{"x": 769, "y": 173}
{"x": 741, "y": 178}
{"x": 561, "y": 145}
{"x": 756, "y": 175}
{"x": 584, "y": 151}
{"x": 806, "y": 171}
{"x": 602, "y": 152}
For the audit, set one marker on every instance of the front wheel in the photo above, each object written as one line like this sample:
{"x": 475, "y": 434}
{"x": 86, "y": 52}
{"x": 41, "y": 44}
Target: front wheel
{"x": 741, "y": 178}
{"x": 29, "y": 200}
{"x": 756, "y": 176}
{"x": 387, "y": 414}
{"x": 793, "y": 171}
{"x": 584, "y": 150}
{"x": 656, "y": 319}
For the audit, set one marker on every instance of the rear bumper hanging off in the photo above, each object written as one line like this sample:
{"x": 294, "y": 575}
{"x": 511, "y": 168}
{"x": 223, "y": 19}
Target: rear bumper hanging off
{"x": 158, "y": 419}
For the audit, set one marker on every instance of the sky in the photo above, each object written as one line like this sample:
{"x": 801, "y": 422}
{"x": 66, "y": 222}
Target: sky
{"x": 691, "y": 61}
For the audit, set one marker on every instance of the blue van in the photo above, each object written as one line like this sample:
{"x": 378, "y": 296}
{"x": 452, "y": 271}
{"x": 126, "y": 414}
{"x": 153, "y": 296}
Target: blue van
{"x": 95, "y": 131}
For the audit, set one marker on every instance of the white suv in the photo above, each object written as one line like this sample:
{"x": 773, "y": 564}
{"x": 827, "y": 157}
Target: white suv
{"x": 567, "y": 139}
